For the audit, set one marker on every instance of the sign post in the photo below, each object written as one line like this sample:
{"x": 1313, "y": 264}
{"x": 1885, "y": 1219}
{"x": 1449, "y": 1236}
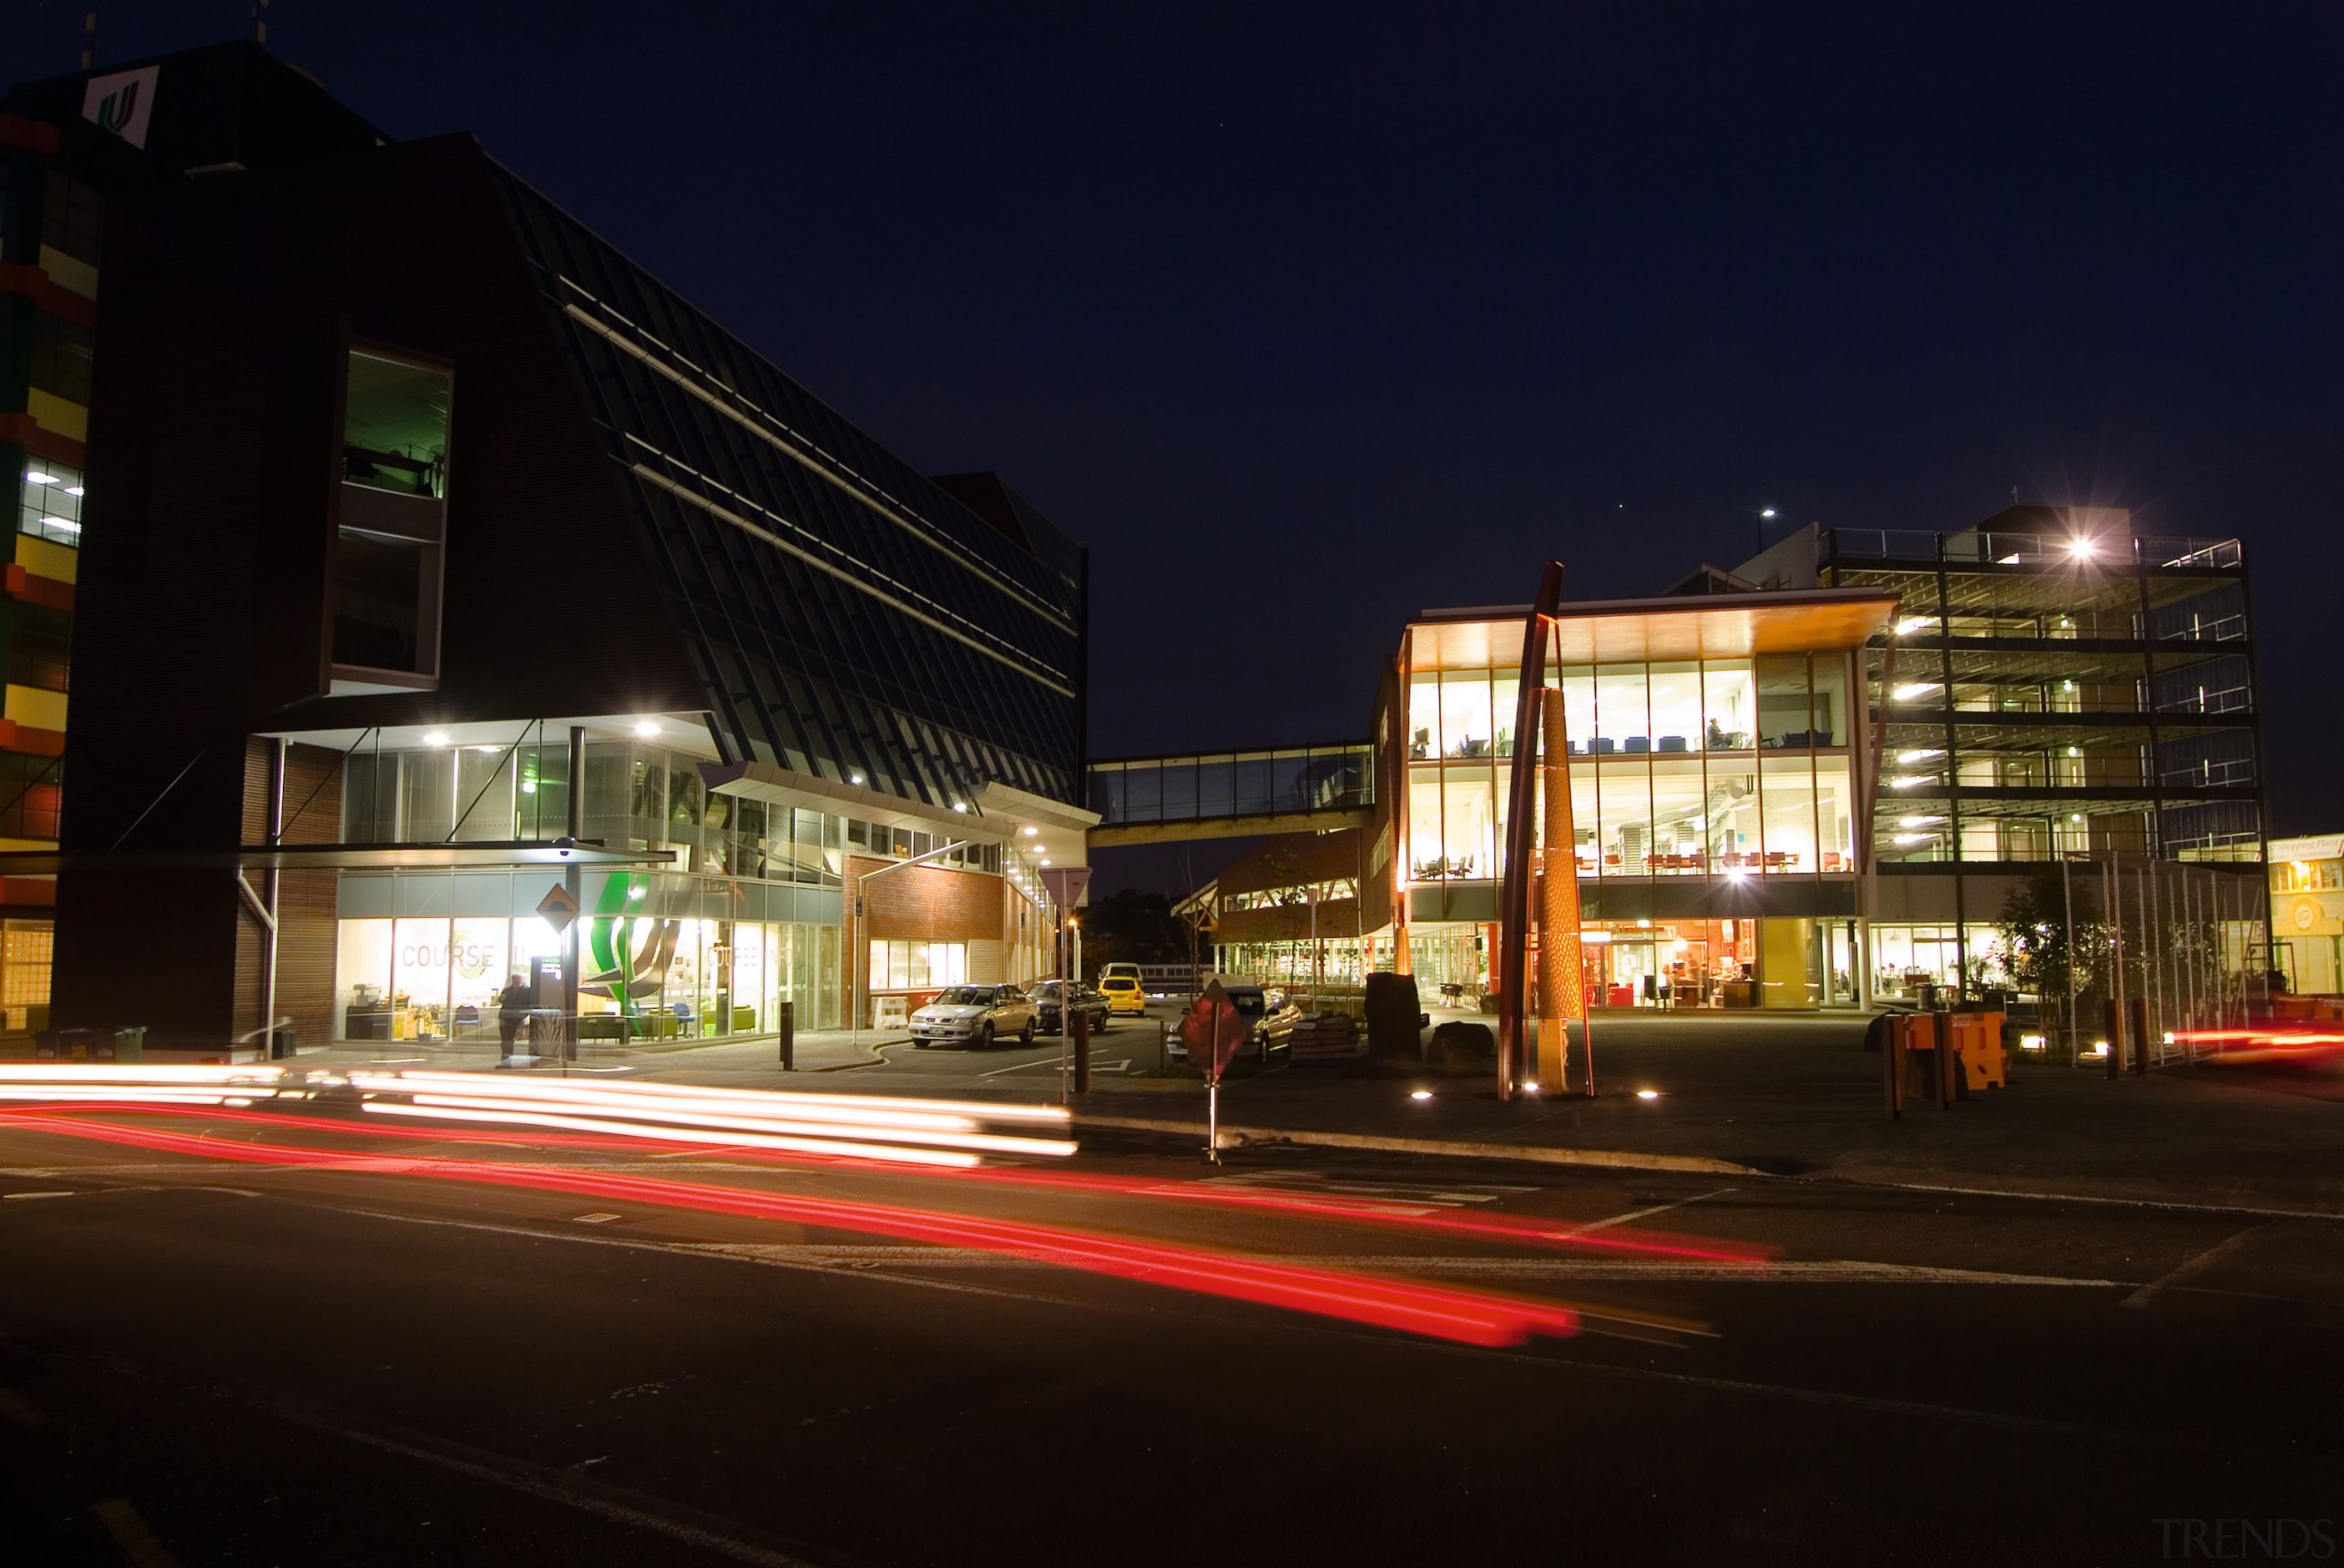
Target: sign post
{"x": 1214, "y": 1031}
{"x": 1066, "y": 884}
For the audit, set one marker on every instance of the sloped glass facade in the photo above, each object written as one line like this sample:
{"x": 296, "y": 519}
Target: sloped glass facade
{"x": 848, "y": 619}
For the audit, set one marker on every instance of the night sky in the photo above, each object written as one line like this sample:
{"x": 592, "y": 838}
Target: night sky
{"x": 1305, "y": 319}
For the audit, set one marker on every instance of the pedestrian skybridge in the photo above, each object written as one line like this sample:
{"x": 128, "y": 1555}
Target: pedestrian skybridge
{"x": 1229, "y": 795}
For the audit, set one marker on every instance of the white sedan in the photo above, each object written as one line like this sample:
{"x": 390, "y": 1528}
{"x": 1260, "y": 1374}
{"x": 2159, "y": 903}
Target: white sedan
{"x": 974, "y": 1016}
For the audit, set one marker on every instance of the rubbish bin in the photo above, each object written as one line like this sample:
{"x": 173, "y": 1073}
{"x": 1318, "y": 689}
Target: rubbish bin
{"x": 786, "y": 1026}
{"x": 280, "y": 1043}
{"x": 130, "y": 1044}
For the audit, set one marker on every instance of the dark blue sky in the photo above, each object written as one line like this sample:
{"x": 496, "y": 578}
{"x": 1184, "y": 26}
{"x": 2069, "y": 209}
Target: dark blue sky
{"x": 1305, "y": 319}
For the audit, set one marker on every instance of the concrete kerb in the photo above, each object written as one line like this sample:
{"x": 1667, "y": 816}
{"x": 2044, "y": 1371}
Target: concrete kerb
{"x": 1615, "y": 1159}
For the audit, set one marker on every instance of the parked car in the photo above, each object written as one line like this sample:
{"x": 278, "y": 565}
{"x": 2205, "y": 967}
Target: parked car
{"x": 1269, "y": 1024}
{"x": 975, "y": 1016}
{"x": 1122, "y": 993}
{"x": 1049, "y": 998}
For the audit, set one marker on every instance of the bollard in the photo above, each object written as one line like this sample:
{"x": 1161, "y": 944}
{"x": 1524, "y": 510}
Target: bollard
{"x": 2140, "y": 1036}
{"x": 1078, "y": 1022}
{"x": 2113, "y": 1021}
{"x": 786, "y": 1020}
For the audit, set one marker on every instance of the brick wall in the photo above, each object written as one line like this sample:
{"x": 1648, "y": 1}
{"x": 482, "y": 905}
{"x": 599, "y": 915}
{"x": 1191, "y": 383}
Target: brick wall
{"x": 929, "y": 902}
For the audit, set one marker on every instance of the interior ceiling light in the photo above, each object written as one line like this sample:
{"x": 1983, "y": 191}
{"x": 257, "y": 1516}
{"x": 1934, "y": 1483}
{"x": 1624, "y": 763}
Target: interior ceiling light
{"x": 960, "y": 805}
{"x": 1912, "y": 689}
{"x": 436, "y": 737}
{"x": 35, "y": 476}
{"x": 1915, "y": 837}
{"x": 74, "y": 489}
{"x": 1919, "y": 754}
{"x": 647, "y": 727}
{"x": 1912, "y": 623}
{"x": 1907, "y": 780}
{"x": 1922, "y": 821}
{"x": 1030, "y": 832}
{"x": 488, "y": 750}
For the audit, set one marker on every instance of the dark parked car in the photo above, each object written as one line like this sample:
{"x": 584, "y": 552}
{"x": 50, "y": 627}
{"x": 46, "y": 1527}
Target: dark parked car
{"x": 1047, "y": 997}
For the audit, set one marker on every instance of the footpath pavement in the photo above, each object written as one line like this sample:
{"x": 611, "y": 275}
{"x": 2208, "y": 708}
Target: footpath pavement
{"x": 1796, "y": 1097}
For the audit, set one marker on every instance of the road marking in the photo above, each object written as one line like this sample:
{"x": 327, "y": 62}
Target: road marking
{"x": 2073, "y": 1197}
{"x": 749, "y": 1252}
{"x": 2198, "y": 1265}
{"x": 19, "y": 1197}
{"x": 1021, "y": 1066}
{"x": 1416, "y": 1194}
{"x": 140, "y": 1545}
{"x": 599, "y": 1218}
{"x": 1657, "y": 1208}
{"x": 20, "y": 1411}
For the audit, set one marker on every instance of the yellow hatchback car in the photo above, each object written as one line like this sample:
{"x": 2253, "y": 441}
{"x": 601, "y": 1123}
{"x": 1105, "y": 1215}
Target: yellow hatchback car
{"x": 1124, "y": 994}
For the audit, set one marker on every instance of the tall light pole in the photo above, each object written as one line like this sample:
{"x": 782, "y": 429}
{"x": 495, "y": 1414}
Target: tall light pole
{"x": 1765, "y": 515}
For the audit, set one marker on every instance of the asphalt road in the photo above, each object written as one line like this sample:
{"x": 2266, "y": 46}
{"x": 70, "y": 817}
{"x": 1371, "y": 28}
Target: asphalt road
{"x": 205, "y": 1361}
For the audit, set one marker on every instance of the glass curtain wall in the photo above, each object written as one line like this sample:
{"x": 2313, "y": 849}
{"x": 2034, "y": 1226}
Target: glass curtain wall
{"x": 670, "y": 973}
{"x": 1693, "y": 768}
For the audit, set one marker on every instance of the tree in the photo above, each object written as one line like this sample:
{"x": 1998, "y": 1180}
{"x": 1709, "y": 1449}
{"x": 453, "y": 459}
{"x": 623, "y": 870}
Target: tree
{"x": 2046, "y": 938}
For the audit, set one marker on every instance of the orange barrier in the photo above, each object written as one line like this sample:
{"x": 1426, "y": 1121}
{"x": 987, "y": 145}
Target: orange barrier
{"x": 1974, "y": 1058}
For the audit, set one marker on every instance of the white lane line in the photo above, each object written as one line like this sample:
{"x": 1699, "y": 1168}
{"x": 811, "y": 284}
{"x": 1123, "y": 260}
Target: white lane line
{"x": 19, "y": 1197}
{"x": 2198, "y": 1265}
{"x": 2075, "y": 1197}
{"x": 748, "y": 1252}
{"x": 1657, "y": 1208}
{"x": 1021, "y": 1066}
{"x": 140, "y": 1545}
{"x": 20, "y": 1411}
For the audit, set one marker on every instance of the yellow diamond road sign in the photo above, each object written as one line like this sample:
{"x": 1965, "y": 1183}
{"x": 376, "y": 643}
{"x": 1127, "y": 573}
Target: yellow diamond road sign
{"x": 557, "y": 908}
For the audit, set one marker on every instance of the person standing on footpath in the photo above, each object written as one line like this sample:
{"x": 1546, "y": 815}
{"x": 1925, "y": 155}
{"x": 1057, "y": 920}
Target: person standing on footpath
{"x": 512, "y": 1007}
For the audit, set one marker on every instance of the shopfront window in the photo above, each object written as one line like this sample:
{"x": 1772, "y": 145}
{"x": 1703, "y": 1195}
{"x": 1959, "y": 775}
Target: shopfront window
{"x": 1578, "y": 682}
{"x": 1789, "y": 787}
{"x": 1468, "y": 822}
{"x": 918, "y": 966}
{"x": 1465, "y": 714}
{"x": 1623, "y": 817}
{"x": 484, "y": 794}
{"x": 1679, "y": 815}
{"x": 1675, "y": 708}
{"x": 428, "y": 795}
{"x": 1622, "y": 721}
{"x": 1733, "y": 825}
{"x": 1835, "y": 814}
{"x": 1782, "y": 717}
{"x": 1726, "y": 706}
{"x": 1505, "y": 696}
{"x": 1423, "y": 716}
{"x": 1831, "y": 700}
{"x": 1426, "y": 853}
